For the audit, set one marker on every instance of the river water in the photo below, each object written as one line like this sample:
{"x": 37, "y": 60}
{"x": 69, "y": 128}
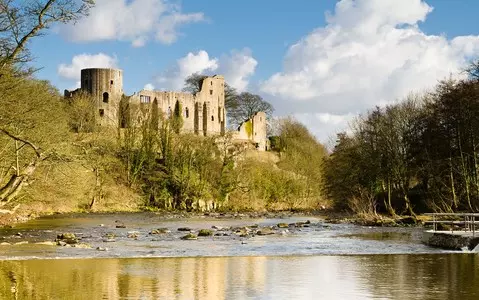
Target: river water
{"x": 312, "y": 260}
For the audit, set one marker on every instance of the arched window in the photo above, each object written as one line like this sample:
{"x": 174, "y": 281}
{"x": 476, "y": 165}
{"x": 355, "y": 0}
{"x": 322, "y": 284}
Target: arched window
{"x": 187, "y": 112}
{"x": 106, "y": 97}
{"x": 212, "y": 118}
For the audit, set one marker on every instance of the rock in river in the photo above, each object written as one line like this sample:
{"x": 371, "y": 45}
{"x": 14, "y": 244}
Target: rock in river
{"x": 189, "y": 236}
{"x": 205, "y": 232}
{"x": 184, "y": 229}
{"x": 265, "y": 231}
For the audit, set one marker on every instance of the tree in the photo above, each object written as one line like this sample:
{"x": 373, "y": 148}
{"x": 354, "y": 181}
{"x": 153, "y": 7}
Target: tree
{"x": 32, "y": 123}
{"x": 31, "y": 118}
{"x": 193, "y": 83}
{"x": 20, "y": 21}
{"x": 246, "y": 106}
{"x": 81, "y": 109}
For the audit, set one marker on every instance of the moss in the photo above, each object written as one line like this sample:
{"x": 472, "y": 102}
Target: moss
{"x": 283, "y": 225}
{"x": 205, "y": 232}
{"x": 248, "y": 126}
{"x": 189, "y": 236}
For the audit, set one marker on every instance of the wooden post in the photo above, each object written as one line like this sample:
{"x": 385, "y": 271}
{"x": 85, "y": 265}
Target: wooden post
{"x": 465, "y": 223}
{"x": 473, "y": 225}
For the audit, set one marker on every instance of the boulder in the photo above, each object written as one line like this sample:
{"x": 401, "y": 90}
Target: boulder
{"x": 265, "y": 231}
{"x": 205, "y": 232}
{"x": 184, "y": 229}
{"x": 66, "y": 236}
{"x": 189, "y": 236}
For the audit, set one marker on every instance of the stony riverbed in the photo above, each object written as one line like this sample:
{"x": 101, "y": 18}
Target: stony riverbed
{"x": 153, "y": 235}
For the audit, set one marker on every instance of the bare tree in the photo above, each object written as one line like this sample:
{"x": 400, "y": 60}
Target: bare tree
{"x": 20, "y": 21}
{"x": 247, "y": 105}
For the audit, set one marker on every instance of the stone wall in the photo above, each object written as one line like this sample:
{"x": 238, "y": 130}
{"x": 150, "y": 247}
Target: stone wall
{"x": 254, "y": 130}
{"x": 202, "y": 113}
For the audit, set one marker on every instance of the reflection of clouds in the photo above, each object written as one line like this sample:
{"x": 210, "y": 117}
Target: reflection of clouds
{"x": 307, "y": 277}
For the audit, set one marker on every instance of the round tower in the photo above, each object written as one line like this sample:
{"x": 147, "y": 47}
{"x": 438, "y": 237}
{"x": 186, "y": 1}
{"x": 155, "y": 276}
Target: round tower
{"x": 106, "y": 86}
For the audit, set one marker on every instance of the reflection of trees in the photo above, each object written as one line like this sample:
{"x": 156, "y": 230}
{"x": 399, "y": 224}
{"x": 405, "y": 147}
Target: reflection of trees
{"x": 168, "y": 278}
{"x": 376, "y": 276}
{"x": 445, "y": 276}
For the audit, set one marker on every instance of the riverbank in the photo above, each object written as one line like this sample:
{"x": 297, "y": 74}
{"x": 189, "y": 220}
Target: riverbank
{"x": 9, "y": 220}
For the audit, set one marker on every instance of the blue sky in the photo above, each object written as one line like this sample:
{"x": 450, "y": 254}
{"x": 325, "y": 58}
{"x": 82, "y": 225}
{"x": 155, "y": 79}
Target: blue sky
{"x": 362, "y": 55}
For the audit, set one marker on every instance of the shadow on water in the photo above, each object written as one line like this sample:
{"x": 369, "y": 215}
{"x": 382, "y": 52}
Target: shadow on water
{"x": 425, "y": 276}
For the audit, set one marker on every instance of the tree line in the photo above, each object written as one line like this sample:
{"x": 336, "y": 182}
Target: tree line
{"x": 419, "y": 155}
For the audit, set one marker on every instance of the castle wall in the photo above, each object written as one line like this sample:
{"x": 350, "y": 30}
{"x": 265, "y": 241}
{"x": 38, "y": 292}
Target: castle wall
{"x": 254, "y": 130}
{"x": 203, "y": 113}
{"x": 166, "y": 104}
{"x": 106, "y": 86}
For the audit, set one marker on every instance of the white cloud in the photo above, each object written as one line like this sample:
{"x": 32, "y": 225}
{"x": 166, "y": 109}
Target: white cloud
{"x": 167, "y": 33}
{"x": 136, "y": 21}
{"x": 370, "y": 52}
{"x": 149, "y": 87}
{"x": 237, "y": 67}
{"x": 174, "y": 78}
{"x": 82, "y": 61}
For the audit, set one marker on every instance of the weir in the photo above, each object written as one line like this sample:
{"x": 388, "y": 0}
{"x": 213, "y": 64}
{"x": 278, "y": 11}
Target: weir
{"x": 453, "y": 231}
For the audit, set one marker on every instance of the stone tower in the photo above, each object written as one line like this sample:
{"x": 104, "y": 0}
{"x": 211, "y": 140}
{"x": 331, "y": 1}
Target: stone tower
{"x": 106, "y": 86}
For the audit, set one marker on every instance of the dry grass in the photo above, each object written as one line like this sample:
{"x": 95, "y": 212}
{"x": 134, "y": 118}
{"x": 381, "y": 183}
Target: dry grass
{"x": 69, "y": 185}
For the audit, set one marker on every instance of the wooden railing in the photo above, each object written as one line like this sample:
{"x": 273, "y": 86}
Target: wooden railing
{"x": 465, "y": 221}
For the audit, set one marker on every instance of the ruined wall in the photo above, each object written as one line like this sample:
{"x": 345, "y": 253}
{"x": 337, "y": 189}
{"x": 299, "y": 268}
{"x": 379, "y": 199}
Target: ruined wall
{"x": 211, "y": 105}
{"x": 166, "y": 105}
{"x": 202, "y": 113}
{"x": 106, "y": 85}
{"x": 254, "y": 130}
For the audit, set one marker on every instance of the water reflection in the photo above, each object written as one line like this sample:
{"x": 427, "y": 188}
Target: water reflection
{"x": 435, "y": 276}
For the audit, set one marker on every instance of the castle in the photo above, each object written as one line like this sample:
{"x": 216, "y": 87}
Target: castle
{"x": 203, "y": 113}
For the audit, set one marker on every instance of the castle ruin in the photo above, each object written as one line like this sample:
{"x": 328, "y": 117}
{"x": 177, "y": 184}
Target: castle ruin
{"x": 203, "y": 113}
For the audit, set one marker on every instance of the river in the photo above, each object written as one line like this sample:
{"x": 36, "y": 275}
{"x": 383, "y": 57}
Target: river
{"x": 308, "y": 260}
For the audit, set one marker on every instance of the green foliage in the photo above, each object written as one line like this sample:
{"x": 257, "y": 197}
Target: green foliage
{"x": 81, "y": 110}
{"x": 177, "y": 118}
{"x": 291, "y": 183}
{"x": 418, "y": 155}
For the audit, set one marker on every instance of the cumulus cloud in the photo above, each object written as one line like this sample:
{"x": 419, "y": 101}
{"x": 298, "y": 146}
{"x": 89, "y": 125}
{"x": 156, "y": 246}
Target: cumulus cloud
{"x": 174, "y": 77}
{"x": 371, "y": 52}
{"x": 72, "y": 71}
{"x": 237, "y": 67}
{"x": 136, "y": 21}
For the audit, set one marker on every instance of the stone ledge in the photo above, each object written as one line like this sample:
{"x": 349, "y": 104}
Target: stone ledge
{"x": 450, "y": 241}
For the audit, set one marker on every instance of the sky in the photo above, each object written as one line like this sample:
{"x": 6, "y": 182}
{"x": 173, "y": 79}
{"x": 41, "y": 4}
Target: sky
{"x": 321, "y": 61}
